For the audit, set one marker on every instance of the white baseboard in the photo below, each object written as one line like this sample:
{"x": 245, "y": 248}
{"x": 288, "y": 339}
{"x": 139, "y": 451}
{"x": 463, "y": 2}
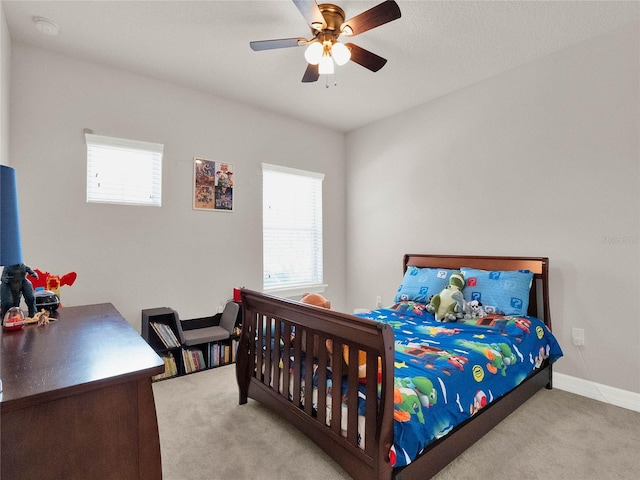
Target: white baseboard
{"x": 597, "y": 391}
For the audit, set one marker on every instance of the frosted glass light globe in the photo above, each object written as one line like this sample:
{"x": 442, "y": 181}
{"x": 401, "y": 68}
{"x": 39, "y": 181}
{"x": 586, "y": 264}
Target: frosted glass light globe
{"x": 313, "y": 54}
{"x": 326, "y": 65}
{"x": 340, "y": 53}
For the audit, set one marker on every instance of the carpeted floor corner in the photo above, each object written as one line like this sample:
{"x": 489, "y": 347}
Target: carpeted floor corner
{"x": 206, "y": 434}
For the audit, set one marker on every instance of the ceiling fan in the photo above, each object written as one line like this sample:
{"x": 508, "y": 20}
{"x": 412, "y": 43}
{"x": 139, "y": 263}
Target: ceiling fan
{"x": 327, "y": 22}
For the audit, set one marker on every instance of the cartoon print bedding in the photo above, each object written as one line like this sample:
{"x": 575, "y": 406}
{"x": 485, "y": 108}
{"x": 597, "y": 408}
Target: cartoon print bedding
{"x": 446, "y": 372}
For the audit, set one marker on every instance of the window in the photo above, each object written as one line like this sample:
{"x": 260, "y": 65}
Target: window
{"x": 123, "y": 171}
{"x": 292, "y": 230}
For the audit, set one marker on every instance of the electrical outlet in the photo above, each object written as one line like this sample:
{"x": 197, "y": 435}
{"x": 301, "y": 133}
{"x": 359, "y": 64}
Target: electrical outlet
{"x": 577, "y": 335}
{"x": 378, "y": 301}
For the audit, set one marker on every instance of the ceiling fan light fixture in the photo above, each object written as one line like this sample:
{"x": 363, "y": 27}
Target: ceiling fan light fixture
{"x": 327, "y": 22}
{"x": 313, "y": 53}
{"x": 325, "y": 67}
{"x": 340, "y": 53}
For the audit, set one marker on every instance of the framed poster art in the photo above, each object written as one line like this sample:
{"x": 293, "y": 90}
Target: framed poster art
{"x": 212, "y": 185}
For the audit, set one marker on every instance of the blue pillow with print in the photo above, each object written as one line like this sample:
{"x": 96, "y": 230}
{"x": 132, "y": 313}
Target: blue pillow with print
{"x": 419, "y": 284}
{"x": 499, "y": 291}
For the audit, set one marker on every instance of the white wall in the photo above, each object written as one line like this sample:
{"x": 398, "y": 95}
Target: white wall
{"x": 543, "y": 160}
{"x": 143, "y": 257}
{"x": 5, "y": 83}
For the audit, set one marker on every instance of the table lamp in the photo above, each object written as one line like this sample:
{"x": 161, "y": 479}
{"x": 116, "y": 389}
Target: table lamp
{"x": 10, "y": 247}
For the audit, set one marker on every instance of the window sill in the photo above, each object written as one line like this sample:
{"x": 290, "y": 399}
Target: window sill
{"x": 290, "y": 292}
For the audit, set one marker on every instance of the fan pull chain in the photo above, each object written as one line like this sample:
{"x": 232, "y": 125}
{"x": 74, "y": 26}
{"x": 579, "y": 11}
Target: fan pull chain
{"x": 335, "y": 81}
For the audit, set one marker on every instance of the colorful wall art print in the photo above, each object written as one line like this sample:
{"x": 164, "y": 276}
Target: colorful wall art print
{"x": 212, "y": 185}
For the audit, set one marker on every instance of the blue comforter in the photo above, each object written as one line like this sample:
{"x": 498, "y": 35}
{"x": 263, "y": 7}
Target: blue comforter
{"x": 446, "y": 372}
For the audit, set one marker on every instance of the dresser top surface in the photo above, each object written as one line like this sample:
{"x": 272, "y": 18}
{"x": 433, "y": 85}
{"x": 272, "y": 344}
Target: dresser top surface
{"x": 84, "y": 348}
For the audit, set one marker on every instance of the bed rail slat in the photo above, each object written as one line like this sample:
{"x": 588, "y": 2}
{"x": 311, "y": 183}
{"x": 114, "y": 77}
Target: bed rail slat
{"x": 277, "y": 354}
{"x": 322, "y": 380}
{"x": 260, "y": 327}
{"x": 297, "y": 370}
{"x": 269, "y": 355}
{"x": 371, "y": 390}
{"x": 352, "y": 399}
{"x": 336, "y": 390}
{"x": 308, "y": 374}
{"x": 286, "y": 360}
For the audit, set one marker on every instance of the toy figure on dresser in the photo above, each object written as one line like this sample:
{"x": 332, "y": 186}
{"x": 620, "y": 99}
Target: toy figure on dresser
{"x": 51, "y": 284}
{"x": 14, "y": 285}
{"x": 42, "y": 317}
{"x": 13, "y": 319}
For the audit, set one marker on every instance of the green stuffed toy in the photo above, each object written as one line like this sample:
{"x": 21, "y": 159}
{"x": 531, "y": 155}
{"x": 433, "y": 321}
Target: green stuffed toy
{"x": 448, "y": 305}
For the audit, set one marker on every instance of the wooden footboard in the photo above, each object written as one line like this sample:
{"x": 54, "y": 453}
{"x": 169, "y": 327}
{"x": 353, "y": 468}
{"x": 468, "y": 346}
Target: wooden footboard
{"x": 270, "y": 369}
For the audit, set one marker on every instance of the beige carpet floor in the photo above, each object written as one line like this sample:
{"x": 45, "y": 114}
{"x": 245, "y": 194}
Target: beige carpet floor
{"x": 205, "y": 434}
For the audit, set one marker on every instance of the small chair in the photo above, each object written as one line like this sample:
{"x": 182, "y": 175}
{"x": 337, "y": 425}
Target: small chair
{"x": 197, "y": 336}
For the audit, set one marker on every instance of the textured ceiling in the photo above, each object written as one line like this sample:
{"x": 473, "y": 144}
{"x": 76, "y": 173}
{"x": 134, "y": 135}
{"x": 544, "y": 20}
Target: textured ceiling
{"x": 435, "y": 48}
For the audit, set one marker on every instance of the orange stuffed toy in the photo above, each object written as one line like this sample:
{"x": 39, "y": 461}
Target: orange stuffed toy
{"x": 362, "y": 363}
{"x": 316, "y": 299}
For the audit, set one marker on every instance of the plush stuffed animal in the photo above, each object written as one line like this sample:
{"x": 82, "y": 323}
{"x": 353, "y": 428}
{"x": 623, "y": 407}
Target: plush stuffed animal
{"x": 473, "y": 309}
{"x": 448, "y": 305}
{"x": 315, "y": 299}
{"x": 362, "y": 363}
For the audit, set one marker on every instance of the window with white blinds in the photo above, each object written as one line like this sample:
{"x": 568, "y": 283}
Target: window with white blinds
{"x": 292, "y": 230}
{"x": 123, "y": 171}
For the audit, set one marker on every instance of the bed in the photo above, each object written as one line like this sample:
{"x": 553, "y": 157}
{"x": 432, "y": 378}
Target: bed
{"x": 359, "y": 404}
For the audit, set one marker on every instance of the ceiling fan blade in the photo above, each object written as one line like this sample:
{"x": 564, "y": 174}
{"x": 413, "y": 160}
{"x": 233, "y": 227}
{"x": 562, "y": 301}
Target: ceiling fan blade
{"x": 311, "y": 13}
{"x": 382, "y": 13}
{"x": 277, "y": 43}
{"x": 366, "y": 58}
{"x": 311, "y": 74}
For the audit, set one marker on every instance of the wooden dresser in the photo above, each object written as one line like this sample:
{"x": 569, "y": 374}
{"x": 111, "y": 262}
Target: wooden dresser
{"x": 77, "y": 401}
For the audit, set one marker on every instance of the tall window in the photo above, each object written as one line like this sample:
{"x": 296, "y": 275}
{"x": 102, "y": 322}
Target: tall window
{"x": 292, "y": 230}
{"x": 123, "y": 171}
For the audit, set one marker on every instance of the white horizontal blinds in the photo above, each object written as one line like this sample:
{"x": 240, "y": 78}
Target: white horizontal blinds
{"x": 123, "y": 171}
{"x": 292, "y": 227}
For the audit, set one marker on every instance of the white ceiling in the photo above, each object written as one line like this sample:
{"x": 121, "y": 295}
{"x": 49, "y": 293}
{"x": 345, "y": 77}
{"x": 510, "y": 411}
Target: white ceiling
{"x": 435, "y": 48}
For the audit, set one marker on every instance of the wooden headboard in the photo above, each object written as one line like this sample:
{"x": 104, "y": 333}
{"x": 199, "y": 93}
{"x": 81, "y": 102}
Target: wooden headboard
{"x": 538, "y": 295}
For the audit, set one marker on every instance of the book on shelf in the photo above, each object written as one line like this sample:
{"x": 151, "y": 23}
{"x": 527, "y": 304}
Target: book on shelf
{"x": 193, "y": 360}
{"x": 165, "y": 334}
{"x": 170, "y": 368}
{"x": 214, "y": 355}
{"x": 227, "y": 350}
{"x": 187, "y": 360}
{"x": 198, "y": 359}
{"x": 234, "y": 349}
{"x": 220, "y": 354}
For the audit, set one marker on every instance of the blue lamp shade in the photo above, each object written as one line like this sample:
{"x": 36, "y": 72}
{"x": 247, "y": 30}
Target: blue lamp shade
{"x": 10, "y": 246}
